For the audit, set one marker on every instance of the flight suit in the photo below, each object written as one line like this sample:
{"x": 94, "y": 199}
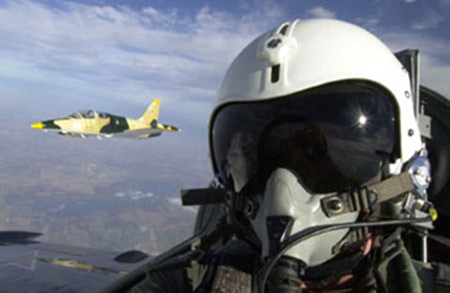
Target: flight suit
{"x": 232, "y": 267}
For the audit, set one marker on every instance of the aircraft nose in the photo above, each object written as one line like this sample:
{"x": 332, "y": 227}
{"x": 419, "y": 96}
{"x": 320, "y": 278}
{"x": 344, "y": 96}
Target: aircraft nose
{"x": 38, "y": 125}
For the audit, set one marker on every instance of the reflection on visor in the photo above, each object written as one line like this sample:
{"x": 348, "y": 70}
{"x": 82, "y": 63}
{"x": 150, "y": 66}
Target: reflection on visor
{"x": 334, "y": 137}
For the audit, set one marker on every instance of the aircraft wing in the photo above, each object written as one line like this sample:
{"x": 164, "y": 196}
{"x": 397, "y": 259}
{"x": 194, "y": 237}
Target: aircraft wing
{"x": 143, "y": 133}
{"x": 27, "y": 265}
{"x": 146, "y": 133}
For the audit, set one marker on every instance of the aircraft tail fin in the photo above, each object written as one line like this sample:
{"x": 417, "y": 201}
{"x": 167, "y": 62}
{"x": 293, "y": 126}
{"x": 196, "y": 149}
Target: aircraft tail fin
{"x": 150, "y": 116}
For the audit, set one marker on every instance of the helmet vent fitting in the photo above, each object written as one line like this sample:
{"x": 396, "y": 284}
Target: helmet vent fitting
{"x": 275, "y": 74}
{"x": 274, "y": 43}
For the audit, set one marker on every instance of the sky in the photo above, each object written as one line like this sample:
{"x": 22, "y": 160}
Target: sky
{"x": 117, "y": 56}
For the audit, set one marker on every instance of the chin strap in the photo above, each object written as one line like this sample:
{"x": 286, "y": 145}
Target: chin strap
{"x": 364, "y": 199}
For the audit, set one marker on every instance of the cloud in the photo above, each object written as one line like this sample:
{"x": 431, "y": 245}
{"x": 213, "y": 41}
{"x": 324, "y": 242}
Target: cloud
{"x": 117, "y": 53}
{"x": 368, "y": 22}
{"x": 431, "y": 19}
{"x": 176, "y": 201}
{"x": 434, "y": 57}
{"x": 435, "y": 74}
{"x": 165, "y": 19}
{"x": 445, "y": 4}
{"x": 320, "y": 12}
{"x": 114, "y": 52}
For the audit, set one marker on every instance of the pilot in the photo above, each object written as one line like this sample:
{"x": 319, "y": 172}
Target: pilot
{"x": 314, "y": 139}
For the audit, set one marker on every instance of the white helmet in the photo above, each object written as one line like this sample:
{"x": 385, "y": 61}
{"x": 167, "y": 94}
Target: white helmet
{"x": 308, "y": 110}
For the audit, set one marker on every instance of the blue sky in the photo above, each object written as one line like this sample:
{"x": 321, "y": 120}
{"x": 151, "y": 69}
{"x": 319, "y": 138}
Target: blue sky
{"x": 178, "y": 50}
{"x": 98, "y": 52}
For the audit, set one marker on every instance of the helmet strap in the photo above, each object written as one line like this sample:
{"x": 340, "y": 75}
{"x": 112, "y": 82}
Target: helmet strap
{"x": 365, "y": 198}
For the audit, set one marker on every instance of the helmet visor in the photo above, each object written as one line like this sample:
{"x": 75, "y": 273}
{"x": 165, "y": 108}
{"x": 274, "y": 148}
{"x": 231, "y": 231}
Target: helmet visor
{"x": 334, "y": 137}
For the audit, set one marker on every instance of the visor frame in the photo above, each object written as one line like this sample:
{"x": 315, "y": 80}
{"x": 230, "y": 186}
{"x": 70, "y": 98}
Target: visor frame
{"x": 394, "y": 154}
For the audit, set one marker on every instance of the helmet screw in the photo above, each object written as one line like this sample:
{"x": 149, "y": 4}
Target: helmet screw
{"x": 428, "y": 179}
{"x": 418, "y": 171}
{"x": 335, "y": 205}
{"x": 407, "y": 94}
{"x": 410, "y": 132}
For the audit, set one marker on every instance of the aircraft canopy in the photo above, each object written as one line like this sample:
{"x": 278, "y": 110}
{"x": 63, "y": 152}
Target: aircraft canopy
{"x": 87, "y": 114}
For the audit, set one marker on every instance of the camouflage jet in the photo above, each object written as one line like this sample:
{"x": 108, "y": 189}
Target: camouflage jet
{"x": 100, "y": 124}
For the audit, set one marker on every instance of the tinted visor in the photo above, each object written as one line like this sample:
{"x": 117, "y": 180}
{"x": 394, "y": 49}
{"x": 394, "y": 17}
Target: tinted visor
{"x": 334, "y": 137}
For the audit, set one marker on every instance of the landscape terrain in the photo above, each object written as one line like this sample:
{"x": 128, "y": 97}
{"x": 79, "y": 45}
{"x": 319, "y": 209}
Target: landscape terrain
{"x": 114, "y": 194}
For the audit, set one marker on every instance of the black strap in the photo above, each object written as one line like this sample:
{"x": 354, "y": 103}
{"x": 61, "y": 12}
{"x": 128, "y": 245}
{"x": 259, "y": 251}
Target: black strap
{"x": 203, "y": 196}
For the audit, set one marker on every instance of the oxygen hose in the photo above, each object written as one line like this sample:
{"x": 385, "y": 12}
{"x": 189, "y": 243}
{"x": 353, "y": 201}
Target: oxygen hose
{"x": 314, "y": 231}
{"x": 284, "y": 278}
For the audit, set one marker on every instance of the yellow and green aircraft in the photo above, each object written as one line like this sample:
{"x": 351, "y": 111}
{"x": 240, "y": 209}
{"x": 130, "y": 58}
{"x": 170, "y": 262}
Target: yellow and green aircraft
{"x": 101, "y": 124}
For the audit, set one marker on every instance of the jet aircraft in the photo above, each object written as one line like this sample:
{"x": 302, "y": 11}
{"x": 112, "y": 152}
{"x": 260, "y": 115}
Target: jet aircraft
{"x": 101, "y": 124}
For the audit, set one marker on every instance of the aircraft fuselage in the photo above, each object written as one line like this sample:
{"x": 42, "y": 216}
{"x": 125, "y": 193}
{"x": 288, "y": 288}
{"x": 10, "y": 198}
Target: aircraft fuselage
{"x": 93, "y": 123}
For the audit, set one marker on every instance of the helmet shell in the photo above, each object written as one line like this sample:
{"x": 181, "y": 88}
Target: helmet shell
{"x": 308, "y": 53}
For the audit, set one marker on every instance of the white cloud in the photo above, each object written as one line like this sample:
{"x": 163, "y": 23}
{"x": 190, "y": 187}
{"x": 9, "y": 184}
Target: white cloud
{"x": 367, "y": 22}
{"x": 435, "y": 74}
{"x": 431, "y": 19}
{"x": 118, "y": 53}
{"x": 165, "y": 19}
{"x": 320, "y": 12}
{"x": 177, "y": 202}
{"x": 434, "y": 57}
{"x": 445, "y": 4}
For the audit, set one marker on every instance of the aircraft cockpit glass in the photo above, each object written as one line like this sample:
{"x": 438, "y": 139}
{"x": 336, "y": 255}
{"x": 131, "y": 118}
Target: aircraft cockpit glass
{"x": 90, "y": 114}
{"x": 102, "y": 115}
{"x": 75, "y": 115}
{"x": 87, "y": 114}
